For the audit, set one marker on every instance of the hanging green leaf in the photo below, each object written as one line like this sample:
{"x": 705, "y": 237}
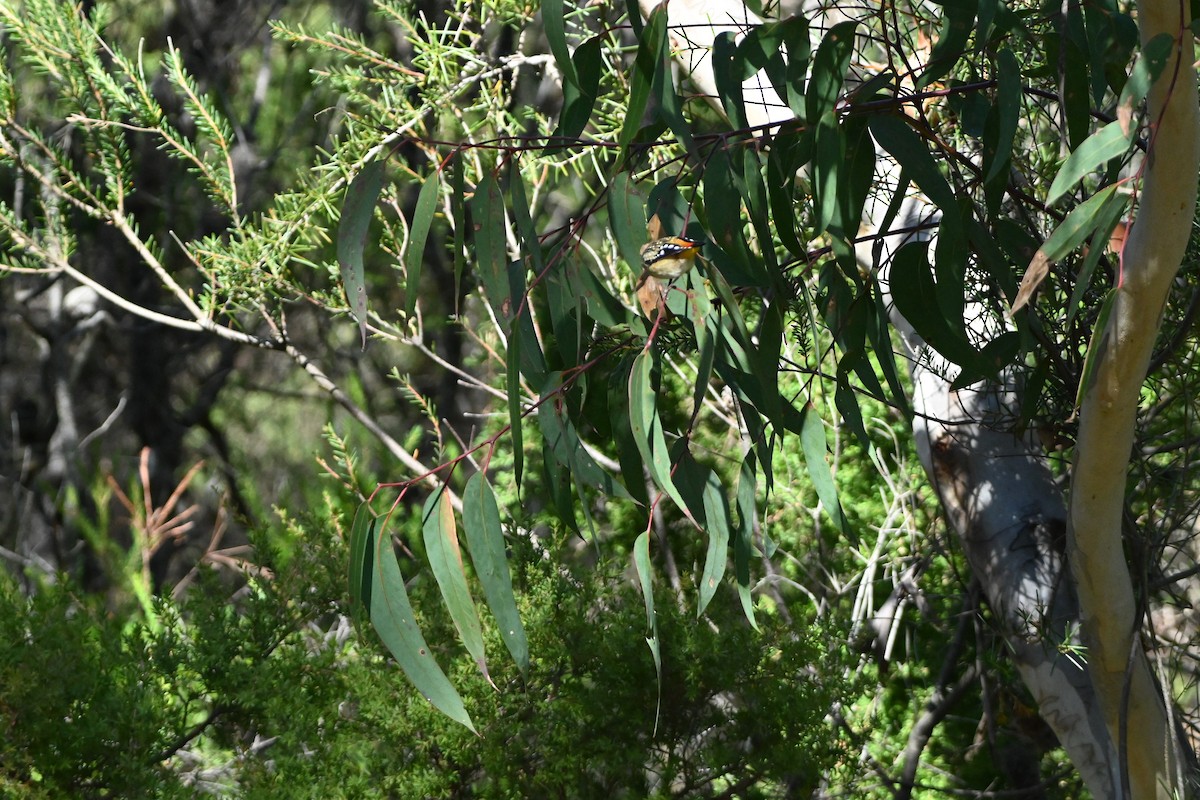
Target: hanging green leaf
{"x": 812, "y": 442}
{"x": 512, "y": 388}
{"x": 647, "y": 429}
{"x": 491, "y": 257}
{"x": 394, "y": 621}
{"x": 445, "y": 560}
{"x": 1146, "y": 71}
{"x": 998, "y": 151}
{"x": 641, "y": 560}
{"x": 554, "y": 25}
{"x": 1069, "y": 234}
{"x": 958, "y": 20}
{"x": 418, "y": 233}
{"x": 651, "y": 44}
{"x": 362, "y": 532}
{"x": 579, "y": 97}
{"x": 743, "y": 546}
{"x": 357, "y": 211}
{"x": 717, "y": 524}
{"x": 627, "y": 215}
{"x": 485, "y": 543}
{"x": 560, "y": 435}
{"x": 1098, "y": 149}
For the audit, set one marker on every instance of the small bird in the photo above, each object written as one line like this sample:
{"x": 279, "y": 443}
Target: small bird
{"x": 668, "y": 258}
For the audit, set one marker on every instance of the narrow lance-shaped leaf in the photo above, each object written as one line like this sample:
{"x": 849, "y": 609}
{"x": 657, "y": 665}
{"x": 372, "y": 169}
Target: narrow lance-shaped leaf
{"x": 362, "y": 532}
{"x": 555, "y": 28}
{"x": 1069, "y": 234}
{"x": 418, "y": 233}
{"x": 445, "y": 559}
{"x": 564, "y": 442}
{"x": 647, "y": 428}
{"x": 579, "y": 98}
{"x": 627, "y": 216}
{"x": 1108, "y": 143}
{"x": 812, "y": 442}
{"x": 394, "y": 621}
{"x": 1145, "y": 72}
{"x": 641, "y": 560}
{"x": 512, "y": 385}
{"x": 485, "y": 542}
{"x": 357, "y": 211}
{"x": 1008, "y": 109}
{"x": 744, "y": 533}
{"x": 717, "y": 525}
{"x": 641, "y": 80}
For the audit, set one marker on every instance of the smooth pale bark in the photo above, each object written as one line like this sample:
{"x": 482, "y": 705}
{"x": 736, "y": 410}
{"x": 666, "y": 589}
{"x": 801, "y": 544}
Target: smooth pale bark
{"x": 1132, "y": 701}
{"x": 1010, "y": 516}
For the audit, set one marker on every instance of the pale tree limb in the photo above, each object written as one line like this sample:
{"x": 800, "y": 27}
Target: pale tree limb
{"x": 1120, "y": 354}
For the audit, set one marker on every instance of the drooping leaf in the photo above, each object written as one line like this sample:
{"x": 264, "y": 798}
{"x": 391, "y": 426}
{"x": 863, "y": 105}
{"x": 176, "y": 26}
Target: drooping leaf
{"x": 829, "y": 146}
{"x": 485, "y": 543}
{"x": 1145, "y": 72}
{"x": 1075, "y": 93}
{"x": 958, "y": 20}
{"x": 512, "y": 387}
{"x": 743, "y": 546}
{"x": 491, "y": 258}
{"x": 727, "y": 70}
{"x": 812, "y": 442}
{"x": 579, "y": 98}
{"x": 717, "y": 524}
{"x": 458, "y": 210}
{"x": 1069, "y": 234}
{"x": 554, "y": 25}
{"x": 418, "y": 233}
{"x": 1106, "y": 222}
{"x": 1097, "y": 346}
{"x": 564, "y": 442}
{"x": 641, "y": 560}
{"x": 646, "y": 424}
{"x": 998, "y": 154}
{"x": 915, "y": 293}
{"x": 357, "y": 211}
{"x": 362, "y": 532}
{"x": 651, "y": 45}
{"x": 393, "y": 619}
{"x": 445, "y": 560}
{"x": 627, "y": 215}
{"x": 1105, "y": 144}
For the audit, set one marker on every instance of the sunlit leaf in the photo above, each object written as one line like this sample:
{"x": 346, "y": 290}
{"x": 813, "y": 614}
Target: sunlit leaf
{"x": 394, "y": 621}
{"x": 1098, "y": 149}
{"x": 812, "y": 442}
{"x": 627, "y": 215}
{"x": 1069, "y": 234}
{"x": 579, "y": 97}
{"x": 651, "y": 45}
{"x": 647, "y": 428}
{"x": 445, "y": 560}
